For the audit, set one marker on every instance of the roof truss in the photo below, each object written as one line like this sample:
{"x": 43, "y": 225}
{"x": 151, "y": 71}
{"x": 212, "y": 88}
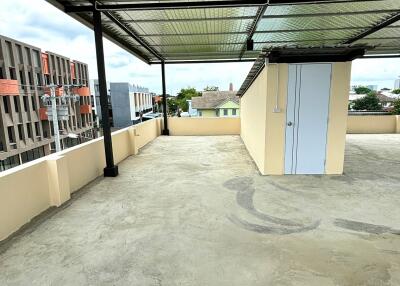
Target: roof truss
{"x": 204, "y": 31}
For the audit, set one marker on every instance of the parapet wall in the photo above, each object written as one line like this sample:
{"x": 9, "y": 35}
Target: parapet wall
{"x": 373, "y": 124}
{"x": 29, "y": 189}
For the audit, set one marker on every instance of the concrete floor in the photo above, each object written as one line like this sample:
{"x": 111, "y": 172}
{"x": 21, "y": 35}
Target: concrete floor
{"x": 195, "y": 211}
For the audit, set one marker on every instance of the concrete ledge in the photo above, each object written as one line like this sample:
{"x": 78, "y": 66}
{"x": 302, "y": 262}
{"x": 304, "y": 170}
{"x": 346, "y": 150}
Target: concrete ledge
{"x": 30, "y": 189}
{"x": 373, "y": 124}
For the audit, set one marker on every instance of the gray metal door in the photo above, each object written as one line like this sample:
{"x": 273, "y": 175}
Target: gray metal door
{"x": 307, "y": 118}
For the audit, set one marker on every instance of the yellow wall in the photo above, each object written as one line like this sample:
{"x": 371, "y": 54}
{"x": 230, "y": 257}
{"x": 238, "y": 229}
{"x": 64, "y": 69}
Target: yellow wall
{"x": 29, "y": 189}
{"x": 276, "y": 121}
{"x": 204, "y": 126}
{"x": 253, "y": 108}
{"x": 362, "y": 124}
{"x": 24, "y": 193}
{"x": 263, "y": 130}
{"x": 336, "y": 137}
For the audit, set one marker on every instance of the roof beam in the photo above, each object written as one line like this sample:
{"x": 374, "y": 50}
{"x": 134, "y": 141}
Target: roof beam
{"x": 206, "y": 61}
{"x": 374, "y": 29}
{"x": 194, "y": 4}
{"x": 263, "y": 31}
{"x": 177, "y": 20}
{"x": 329, "y": 14}
{"x": 344, "y": 13}
{"x": 253, "y": 28}
{"x": 131, "y": 33}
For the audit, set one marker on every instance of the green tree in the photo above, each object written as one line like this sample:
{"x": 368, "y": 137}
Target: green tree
{"x": 184, "y": 95}
{"x": 362, "y": 90}
{"x": 172, "y": 105}
{"x": 368, "y": 102}
{"x": 211, "y": 88}
{"x": 396, "y": 107}
{"x": 396, "y": 91}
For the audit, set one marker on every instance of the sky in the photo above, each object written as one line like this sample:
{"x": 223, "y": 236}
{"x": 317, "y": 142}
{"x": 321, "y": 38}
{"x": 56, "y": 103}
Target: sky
{"x": 40, "y": 24}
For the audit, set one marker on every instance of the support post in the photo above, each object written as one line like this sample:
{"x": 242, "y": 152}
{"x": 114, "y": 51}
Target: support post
{"x": 110, "y": 170}
{"x": 165, "y": 130}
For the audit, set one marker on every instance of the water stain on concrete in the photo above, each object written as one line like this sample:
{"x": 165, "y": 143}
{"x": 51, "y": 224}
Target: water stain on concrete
{"x": 364, "y": 227}
{"x": 268, "y": 229}
{"x": 244, "y": 198}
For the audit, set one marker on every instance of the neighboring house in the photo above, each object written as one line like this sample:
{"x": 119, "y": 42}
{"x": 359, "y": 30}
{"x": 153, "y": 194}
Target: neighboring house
{"x": 386, "y": 98}
{"x": 217, "y": 104}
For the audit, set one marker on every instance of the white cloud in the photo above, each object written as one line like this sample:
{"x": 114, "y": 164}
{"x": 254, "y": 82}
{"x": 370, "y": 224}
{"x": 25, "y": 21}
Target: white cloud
{"x": 40, "y": 24}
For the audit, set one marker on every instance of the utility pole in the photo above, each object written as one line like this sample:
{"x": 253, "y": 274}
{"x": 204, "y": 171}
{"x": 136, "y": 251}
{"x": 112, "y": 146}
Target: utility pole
{"x": 54, "y": 117}
{"x": 58, "y": 112}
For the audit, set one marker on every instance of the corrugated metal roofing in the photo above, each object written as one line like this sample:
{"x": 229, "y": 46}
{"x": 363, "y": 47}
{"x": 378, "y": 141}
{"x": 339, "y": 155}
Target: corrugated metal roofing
{"x": 220, "y": 32}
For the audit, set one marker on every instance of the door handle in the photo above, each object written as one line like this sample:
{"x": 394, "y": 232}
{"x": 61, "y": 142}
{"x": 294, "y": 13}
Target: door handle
{"x": 290, "y": 123}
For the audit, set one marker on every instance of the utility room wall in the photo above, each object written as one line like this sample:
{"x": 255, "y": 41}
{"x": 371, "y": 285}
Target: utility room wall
{"x": 263, "y": 118}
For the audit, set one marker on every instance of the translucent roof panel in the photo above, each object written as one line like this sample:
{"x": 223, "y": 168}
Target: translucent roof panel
{"x": 185, "y": 30}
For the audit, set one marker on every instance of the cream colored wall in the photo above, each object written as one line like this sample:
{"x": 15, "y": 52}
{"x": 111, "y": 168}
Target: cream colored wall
{"x": 253, "y": 107}
{"x": 373, "y": 124}
{"x": 336, "y": 137}
{"x": 29, "y": 189}
{"x": 276, "y": 121}
{"x": 24, "y": 193}
{"x": 263, "y": 130}
{"x": 197, "y": 126}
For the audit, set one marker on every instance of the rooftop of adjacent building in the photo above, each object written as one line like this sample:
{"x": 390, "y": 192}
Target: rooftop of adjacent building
{"x": 207, "y": 217}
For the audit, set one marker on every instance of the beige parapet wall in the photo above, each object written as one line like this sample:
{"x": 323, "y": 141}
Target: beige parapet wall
{"x": 29, "y": 189}
{"x": 373, "y": 124}
{"x": 200, "y": 126}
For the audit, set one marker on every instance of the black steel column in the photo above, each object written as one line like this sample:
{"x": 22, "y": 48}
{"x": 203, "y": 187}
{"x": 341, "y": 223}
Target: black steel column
{"x": 110, "y": 170}
{"x": 165, "y": 130}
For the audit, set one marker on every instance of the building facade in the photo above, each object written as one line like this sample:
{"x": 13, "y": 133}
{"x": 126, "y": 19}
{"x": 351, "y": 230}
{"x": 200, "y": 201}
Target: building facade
{"x": 397, "y": 83}
{"x": 129, "y": 102}
{"x": 25, "y": 130}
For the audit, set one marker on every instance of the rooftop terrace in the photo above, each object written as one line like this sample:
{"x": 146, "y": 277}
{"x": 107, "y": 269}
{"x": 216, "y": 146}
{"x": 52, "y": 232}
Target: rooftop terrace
{"x": 195, "y": 211}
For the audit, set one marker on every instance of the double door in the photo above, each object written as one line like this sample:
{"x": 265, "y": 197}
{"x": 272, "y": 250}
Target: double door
{"x": 307, "y": 118}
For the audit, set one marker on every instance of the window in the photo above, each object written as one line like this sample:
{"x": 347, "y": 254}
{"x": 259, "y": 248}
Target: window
{"x": 234, "y": 111}
{"x": 10, "y": 132}
{"x": 29, "y": 129}
{"x": 33, "y": 102}
{"x": 8, "y": 163}
{"x": 5, "y": 102}
{"x": 38, "y": 79}
{"x": 200, "y": 113}
{"x": 12, "y": 73}
{"x": 37, "y": 129}
{"x": 225, "y": 112}
{"x": 20, "y": 131}
{"x": 16, "y": 104}
{"x": 25, "y": 99}
{"x": 30, "y": 79}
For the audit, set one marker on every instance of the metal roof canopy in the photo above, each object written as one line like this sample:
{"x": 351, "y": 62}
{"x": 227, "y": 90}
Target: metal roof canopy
{"x": 219, "y": 31}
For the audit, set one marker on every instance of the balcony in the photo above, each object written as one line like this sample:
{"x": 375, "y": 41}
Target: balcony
{"x": 82, "y": 91}
{"x": 43, "y": 113}
{"x": 85, "y": 109}
{"x": 194, "y": 210}
{"x": 8, "y": 87}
